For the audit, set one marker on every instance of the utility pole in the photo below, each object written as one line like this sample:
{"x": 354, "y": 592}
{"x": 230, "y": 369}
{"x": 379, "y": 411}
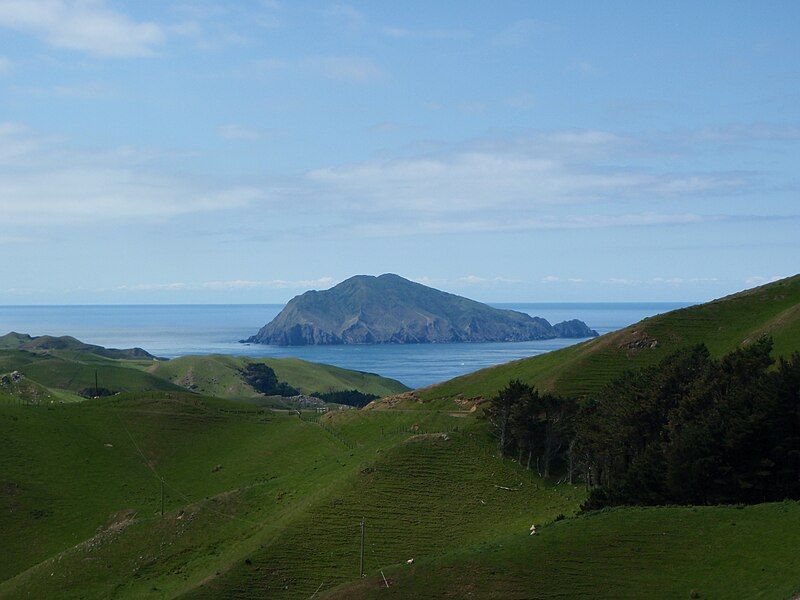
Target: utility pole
{"x": 162, "y": 497}
{"x": 361, "y": 562}
{"x": 96, "y": 388}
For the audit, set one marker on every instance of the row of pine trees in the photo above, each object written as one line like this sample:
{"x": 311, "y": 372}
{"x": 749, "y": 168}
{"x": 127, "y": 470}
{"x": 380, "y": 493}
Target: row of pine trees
{"x": 690, "y": 430}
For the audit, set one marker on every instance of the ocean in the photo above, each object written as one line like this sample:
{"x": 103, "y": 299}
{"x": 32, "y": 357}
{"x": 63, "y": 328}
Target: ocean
{"x": 176, "y": 330}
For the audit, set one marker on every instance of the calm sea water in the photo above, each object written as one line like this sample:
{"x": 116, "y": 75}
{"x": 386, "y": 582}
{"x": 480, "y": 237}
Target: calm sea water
{"x": 175, "y": 330}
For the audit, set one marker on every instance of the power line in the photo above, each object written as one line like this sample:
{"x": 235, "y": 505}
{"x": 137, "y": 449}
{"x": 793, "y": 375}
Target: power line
{"x": 169, "y": 486}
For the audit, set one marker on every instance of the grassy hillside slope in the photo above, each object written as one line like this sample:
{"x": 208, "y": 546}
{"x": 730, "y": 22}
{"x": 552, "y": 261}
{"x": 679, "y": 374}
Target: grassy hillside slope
{"x": 62, "y": 373}
{"x": 711, "y": 552}
{"x": 73, "y": 371}
{"x": 268, "y": 504}
{"x": 19, "y": 389}
{"x": 427, "y": 495}
{"x": 723, "y": 325}
{"x": 66, "y": 469}
{"x": 249, "y": 495}
{"x": 220, "y": 375}
{"x": 47, "y": 343}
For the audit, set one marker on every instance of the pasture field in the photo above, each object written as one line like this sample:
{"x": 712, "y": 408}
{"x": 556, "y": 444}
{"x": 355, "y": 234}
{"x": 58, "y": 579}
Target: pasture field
{"x": 220, "y": 375}
{"x": 248, "y": 495}
{"x": 262, "y": 503}
{"x": 671, "y": 552}
{"x": 723, "y": 325}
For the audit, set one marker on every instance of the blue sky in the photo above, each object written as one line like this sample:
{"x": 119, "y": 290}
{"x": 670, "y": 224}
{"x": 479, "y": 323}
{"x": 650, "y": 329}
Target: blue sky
{"x": 211, "y": 151}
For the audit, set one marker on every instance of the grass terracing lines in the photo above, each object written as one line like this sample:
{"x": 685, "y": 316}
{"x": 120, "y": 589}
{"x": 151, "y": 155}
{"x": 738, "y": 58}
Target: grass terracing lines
{"x": 261, "y": 503}
{"x": 256, "y": 502}
{"x": 674, "y": 552}
{"x": 723, "y": 325}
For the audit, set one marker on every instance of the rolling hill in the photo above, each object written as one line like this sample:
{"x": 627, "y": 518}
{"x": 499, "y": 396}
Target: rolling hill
{"x": 221, "y": 376}
{"x": 16, "y": 388}
{"x": 265, "y": 504}
{"x": 44, "y": 343}
{"x": 723, "y": 325}
{"x": 63, "y": 368}
{"x": 261, "y": 503}
{"x": 257, "y": 502}
{"x": 66, "y": 373}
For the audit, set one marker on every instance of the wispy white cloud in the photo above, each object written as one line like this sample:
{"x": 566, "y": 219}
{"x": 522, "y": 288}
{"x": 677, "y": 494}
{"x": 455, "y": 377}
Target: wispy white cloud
{"x": 44, "y": 181}
{"x": 83, "y": 91}
{"x": 678, "y": 281}
{"x": 15, "y": 239}
{"x": 466, "y": 281}
{"x": 519, "y": 33}
{"x": 520, "y": 101}
{"x": 355, "y": 19}
{"x": 431, "y": 34}
{"x": 88, "y": 26}
{"x": 386, "y": 127}
{"x": 455, "y": 225}
{"x": 10, "y": 128}
{"x": 321, "y": 282}
{"x": 660, "y": 281}
{"x": 82, "y": 194}
{"x": 234, "y": 284}
{"x": 347, "y": 69}
{"x": 353, "y": 69}
{"x": 558, "y": 180}
{"x": 345, "y": 13}
{"x": 471, "y": 179}
{"x": 584, "y": 67}
{"x": 573, "y": 179}
{"x": 762, "y": 279}
{"x": 18, "y": 291}
{"x": 214, "y": 26}
{"x": 743, "y": 133}
{"x": 234, "y": 131}
{"x": 558, "y": 279}
{"x": 149, "y": 287}
{"x": 5, "y": 65}
{"x": 16, "y": 144}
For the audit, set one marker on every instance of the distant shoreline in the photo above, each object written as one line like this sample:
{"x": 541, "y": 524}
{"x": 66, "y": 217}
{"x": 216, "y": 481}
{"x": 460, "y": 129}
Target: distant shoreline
{"x": 177, "y": 330}
{"x": 504, "y": 304}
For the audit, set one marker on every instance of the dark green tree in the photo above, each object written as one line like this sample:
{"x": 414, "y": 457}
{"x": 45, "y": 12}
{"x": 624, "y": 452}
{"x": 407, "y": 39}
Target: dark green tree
{"x": 501, "y": 408}
{"x": 695, "y": 430}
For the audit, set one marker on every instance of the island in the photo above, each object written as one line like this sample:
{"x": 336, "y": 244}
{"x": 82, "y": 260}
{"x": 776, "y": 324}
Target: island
{"x": 389, "y": 309}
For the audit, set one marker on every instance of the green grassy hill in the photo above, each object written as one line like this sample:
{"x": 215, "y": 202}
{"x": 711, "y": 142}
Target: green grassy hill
{"x": 262, "y": 503}
{"x": 427, "y": 494}
{"x": 15, "y": 388}
{"x": 75, "y": 371}
{"x": 255, "y": 501}
{"x": 64, "y": 367}
{"x": 220, "y": 375}
{"x": 703, "y": 552}
{"x": 46, "y": 343}
{"x": 723, "y": 325}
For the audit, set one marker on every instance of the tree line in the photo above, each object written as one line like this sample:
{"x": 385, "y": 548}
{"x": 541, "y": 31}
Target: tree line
{"x": 262, "y": 378}
{"x": 347, "y": 397}
{"x": 690, "y": 430}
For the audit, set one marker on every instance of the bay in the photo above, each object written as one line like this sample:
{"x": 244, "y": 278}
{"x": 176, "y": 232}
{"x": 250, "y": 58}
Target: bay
{"x": 177, "y": 330}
